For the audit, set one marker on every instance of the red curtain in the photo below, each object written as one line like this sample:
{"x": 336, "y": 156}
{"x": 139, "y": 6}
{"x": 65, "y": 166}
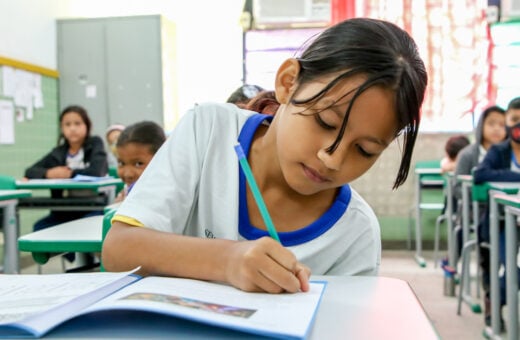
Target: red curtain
{"x": 454, "y": 41}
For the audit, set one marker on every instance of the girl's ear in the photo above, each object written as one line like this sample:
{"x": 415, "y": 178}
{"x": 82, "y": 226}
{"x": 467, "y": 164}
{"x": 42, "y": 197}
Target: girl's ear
{"x": 285, "y": 82}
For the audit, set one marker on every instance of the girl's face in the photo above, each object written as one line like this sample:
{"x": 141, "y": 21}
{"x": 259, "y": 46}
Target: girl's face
{"x": 132, "y": 159}
{"x": 302, "y": 139}
{"x": 494, "y": 128}
{"x": 73, "y": 128}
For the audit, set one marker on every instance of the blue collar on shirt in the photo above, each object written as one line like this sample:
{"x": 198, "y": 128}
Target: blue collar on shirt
{"x": 308, "y": 233}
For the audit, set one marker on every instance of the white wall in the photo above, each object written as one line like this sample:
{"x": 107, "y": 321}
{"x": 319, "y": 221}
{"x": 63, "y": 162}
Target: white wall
{"x": 209, "y": 45}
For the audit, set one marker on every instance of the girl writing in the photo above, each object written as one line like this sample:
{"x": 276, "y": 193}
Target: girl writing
{"x": 355, "y": 88}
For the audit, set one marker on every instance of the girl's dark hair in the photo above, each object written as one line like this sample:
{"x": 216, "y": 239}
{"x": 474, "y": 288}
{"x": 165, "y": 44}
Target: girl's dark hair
{"x": 244, "y": 94}
{"x": 454, "y": 145}
{"x": 387, "y": 56}
{"x": 264, "y": 102}
{"x": 145, "y": 132}
{"x": 514, "y": 104}
{"x": 84, "y": 116}
{"x": 382, "y": 52}
{"x": 491, "y": 109}
{"x": 494, "y": 108}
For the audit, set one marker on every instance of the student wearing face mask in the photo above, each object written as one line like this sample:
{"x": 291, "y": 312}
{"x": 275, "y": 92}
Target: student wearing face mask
{"x": 501, "y": 164}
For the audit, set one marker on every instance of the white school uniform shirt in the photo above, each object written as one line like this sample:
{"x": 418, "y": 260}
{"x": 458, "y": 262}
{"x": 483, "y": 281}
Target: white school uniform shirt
{"x": 194, "y": 184}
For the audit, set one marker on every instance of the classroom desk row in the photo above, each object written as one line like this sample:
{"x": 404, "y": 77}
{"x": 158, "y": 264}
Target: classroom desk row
{"x": 512, "y": 212}
{"x": 8, "y": 202}
{"x": 511, "y": 204}
{"x": 21, "y": 199}
{"x": 424, "y": 177}
{"x": 497, "y": 194}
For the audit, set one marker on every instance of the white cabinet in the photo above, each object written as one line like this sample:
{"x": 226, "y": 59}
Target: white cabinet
{"x": 121, "y": 69}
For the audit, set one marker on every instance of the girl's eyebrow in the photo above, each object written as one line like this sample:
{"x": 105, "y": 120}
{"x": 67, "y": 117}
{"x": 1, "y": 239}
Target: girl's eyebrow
{"x": 335, "y": 104}
{"x": 377, "y": 141}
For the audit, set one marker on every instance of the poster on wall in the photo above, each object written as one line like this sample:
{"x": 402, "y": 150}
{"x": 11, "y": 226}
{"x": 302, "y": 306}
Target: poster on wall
{"x": 24, "y": 87}
{"x": 6, "y": 122}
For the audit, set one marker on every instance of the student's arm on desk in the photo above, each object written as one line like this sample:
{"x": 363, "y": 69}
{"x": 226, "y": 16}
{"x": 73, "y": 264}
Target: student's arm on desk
{"x": 259, "y": 265}
{"x": 492, "y": 169}
{"x": 39, "y": 169}
{"x": 481, "y": 175}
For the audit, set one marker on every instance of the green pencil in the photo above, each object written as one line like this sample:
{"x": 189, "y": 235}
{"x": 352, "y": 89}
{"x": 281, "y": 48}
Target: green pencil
{"x": 256, "y": 192}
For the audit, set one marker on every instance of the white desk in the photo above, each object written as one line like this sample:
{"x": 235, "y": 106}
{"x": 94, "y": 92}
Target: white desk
{"x": 81, "y": 235}
{"x": 108, "y": 186}
{"x": 512, "y": 211}
{"x": 8, "y": 202}
{"x": 351, "y": 308}
{"x": 494, "y": 188}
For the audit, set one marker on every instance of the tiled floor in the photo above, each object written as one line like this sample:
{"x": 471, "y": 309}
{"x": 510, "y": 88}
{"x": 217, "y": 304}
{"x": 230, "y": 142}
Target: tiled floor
{"x": 426, "y": 282}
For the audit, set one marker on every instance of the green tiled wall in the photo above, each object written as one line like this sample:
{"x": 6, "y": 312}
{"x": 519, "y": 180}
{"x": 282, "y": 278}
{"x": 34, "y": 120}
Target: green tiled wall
{"x": 33, "y": 138}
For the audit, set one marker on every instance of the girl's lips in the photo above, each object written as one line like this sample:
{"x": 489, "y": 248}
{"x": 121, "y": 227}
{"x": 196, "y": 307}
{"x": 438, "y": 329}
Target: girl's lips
{"x": 313, "y": 175}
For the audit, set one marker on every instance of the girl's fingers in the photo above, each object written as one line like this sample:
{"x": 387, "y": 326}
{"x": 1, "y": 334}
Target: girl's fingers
{"x": 303, "y": 274}
{"x": 286, "y": 280}
{"x": 265, "y": 265}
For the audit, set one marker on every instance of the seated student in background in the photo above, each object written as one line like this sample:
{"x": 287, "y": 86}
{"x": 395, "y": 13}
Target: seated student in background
{"x": 448, "y": 163}
{"x": 136, "y": 147}
{"x": 355, "y": 89}
{"x": 241, "y": 96}
{"x": 77, "y": 153}
{"x": 491, "y": 129}
{"x": 264, "y": 102}
{"x": 501, "y": 164}
{"x": 451, "y": 150}
{"x": 111, "y": 135}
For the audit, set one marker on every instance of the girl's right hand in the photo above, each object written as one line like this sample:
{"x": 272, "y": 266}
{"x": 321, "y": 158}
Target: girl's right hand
{"x": 264, "y": 265}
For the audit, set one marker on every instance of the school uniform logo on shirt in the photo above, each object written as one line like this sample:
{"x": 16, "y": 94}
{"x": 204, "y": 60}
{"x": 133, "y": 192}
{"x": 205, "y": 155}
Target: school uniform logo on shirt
{"x": 209, "y": 233}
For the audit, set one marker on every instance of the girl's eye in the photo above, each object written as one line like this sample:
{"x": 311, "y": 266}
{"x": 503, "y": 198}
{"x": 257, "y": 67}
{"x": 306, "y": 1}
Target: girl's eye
{"x": 364, "y": 153}
{"x": 139, "y": 164}
{"x": 322, "y": 123}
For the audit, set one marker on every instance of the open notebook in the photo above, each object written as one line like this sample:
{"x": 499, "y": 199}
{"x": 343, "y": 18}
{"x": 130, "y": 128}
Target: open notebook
{"x": 32, "y": 305}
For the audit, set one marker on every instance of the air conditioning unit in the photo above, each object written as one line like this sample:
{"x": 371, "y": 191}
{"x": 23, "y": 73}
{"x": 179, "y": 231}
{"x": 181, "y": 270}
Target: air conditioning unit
{"x": 509, "y": 10}
{"x": 269, "y": 14}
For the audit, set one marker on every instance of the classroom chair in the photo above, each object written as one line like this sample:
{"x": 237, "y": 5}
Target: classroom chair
{"x": 107, "y": 223}
{"x": 112, "y": 171}
{"x": 479, "y": 195}
{"x": 452, "y": 227}
{"x": 428, "y": 177}
{"x": 7, "y": 182}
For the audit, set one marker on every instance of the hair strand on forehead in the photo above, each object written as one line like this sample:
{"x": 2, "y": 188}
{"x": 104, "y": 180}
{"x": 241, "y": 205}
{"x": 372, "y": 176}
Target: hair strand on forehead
{"x": 382, "y": 52}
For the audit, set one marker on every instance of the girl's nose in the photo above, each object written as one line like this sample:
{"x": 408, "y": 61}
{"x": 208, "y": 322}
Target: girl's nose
{"x": 332, "y": 161}
{"x": 127, "y": 176}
